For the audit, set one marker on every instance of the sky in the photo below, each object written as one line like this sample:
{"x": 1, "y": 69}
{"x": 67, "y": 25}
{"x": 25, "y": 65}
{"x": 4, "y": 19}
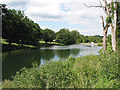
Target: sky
{"x": 58, "y": 14}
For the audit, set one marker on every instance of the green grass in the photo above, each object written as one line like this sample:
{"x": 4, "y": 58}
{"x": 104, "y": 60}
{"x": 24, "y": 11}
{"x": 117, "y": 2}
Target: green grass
{"x": 15, "y": 46}
{"x": 99, "y": 44}
{"x": 42, "y": 43}
{"x": 88, "y": 45}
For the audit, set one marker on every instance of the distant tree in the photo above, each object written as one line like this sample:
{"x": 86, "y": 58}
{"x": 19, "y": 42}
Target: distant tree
{"x": 75, "y": 35}
{"x": 81, "y": 39}
{"x": 64, "y": 36}
{"x": 48, "y": 35}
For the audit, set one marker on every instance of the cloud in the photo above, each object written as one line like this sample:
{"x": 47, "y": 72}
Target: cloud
{"x": 73, "y": 12}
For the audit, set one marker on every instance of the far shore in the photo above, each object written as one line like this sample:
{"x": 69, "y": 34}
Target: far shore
{"x": 90, "y": 43}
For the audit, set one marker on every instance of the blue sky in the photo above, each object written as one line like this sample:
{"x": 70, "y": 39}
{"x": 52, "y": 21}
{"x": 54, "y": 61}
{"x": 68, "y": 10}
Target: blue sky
{"x": 57, "y": 25}
{"x": 57, "y": 14}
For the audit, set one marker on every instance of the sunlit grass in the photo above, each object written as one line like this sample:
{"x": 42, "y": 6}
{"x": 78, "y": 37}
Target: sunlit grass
{"x": 15, "y": 46}
{"x": 50, "y": 43}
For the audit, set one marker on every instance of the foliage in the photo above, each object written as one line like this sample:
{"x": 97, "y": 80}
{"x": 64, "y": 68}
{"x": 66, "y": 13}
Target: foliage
{"x": 109, "y": 39}
{"x": 89, "y": 39}
{"x": 48, "y": 35}
{"x": 108, "y": 19}
{"x": 75, "y": 35}
{"x": 64, "y": 36}
{"x": 18, "y": 28}
{"x": 58, "y": 73}
{"x": 87, "y": 74}
{"x": 110, "y": 74}
{"x": 52, "y": 74}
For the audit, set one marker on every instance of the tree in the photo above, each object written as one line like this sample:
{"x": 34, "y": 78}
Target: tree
{"x": 113, "y": 24}
{"x": 105, "y": 26}
{"x": 111, "y": 12}
{"x": 105, "y": 30}
{"x": 18, "y": 28}
{"x": 48, "y": 35}
{"x": 7, "y": 24}
{"x": 81, "y": 39}
{"x": 64, "y": 36}
{"x": 111, "y": 18}
{"x": 75, "y": 35}
{"x": 118, "y": 24}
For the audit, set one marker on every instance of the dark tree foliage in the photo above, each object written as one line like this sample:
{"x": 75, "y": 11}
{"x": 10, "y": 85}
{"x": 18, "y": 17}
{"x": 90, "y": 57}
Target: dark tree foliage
{"x": 64, "y": 36}
{"x": 18, "y": 28}
{"x": 48, "y": 35}
{"x": 75, "y": 34}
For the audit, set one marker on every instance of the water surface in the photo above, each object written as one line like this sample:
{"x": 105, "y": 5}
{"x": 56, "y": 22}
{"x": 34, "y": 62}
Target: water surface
{"x": 13, "y": 61}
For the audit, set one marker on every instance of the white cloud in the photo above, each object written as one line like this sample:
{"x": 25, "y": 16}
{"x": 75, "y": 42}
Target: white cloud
{"x": 54, "y": 10}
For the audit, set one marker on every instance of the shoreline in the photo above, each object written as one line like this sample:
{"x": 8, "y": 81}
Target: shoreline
{"x": 91, "y": 43}
{"x": 6, "y": 47}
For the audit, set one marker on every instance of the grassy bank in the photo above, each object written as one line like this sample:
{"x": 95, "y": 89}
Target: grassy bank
{"x": 15, "y": 46}
{"x": 83, "y": 72}
{"x": 42, "y": 43}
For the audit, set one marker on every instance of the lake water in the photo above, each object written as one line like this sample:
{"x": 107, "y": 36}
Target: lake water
{"x": 13, "y": 61}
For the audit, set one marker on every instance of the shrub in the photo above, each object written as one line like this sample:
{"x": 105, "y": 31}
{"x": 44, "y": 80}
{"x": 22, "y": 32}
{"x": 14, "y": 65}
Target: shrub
{"x": 88, "y": 70}
{"x": 58, "y": 73}
{"x": 52, "y": 74}
{"x": 110, "y": 65}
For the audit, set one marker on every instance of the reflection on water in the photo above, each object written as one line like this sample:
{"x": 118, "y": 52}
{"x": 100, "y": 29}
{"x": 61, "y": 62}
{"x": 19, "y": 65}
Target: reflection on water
{"x": 13, "y": 61}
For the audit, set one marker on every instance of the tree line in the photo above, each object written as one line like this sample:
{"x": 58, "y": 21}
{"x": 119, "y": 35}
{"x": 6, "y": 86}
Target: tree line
{"x": 18, "y": 28}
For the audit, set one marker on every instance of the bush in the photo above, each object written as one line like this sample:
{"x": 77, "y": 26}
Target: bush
{"x": 88, "y": 69}
{"x": 52, "y": 74}
{"x": 58, "y": 73}
{"x": 110, "y": 65}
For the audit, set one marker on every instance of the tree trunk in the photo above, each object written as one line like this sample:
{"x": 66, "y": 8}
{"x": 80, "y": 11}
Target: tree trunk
{"x": 104, "y": 41}
{"x": 114, "y": 28}
{"x": 105, "y": 29}
{"x": 114, "y": 39}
